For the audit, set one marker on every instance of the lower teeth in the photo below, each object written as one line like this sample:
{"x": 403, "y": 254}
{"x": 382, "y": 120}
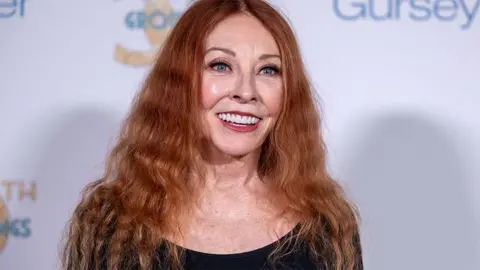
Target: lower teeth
{"x": 237, "y": 124}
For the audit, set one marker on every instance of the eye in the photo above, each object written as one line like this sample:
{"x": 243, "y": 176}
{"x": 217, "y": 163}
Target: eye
{"x": 219, "y": 66}
{"x": 271, "y": 70}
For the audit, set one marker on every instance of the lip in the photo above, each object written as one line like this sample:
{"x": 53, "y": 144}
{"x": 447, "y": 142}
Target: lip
{"x": 240, "y": 128}
{"x": 241, "y": 113}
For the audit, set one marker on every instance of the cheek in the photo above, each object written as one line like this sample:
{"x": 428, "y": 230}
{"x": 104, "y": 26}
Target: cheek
{"x": 271, "y": 91}
{"x": 214, "y": 88}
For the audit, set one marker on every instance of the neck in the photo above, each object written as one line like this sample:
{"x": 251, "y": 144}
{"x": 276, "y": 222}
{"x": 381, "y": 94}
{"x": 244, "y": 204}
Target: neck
{"x": 224, "y": 171}
{"x": 231, "y": 190}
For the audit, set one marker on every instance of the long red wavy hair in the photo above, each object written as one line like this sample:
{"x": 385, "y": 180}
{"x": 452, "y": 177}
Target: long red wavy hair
{"x": 146, "y": 185}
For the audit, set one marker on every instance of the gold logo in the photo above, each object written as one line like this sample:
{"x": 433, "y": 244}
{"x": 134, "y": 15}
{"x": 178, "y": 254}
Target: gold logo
{"x": 156, "y": 20}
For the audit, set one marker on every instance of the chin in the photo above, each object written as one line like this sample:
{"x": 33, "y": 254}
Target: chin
{"x": 235, "y": 149}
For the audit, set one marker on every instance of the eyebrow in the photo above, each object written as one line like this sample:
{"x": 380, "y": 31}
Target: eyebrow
{"x": 232, "y": 53}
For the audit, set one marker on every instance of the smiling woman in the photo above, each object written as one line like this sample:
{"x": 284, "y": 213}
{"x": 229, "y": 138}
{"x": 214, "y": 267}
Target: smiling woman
{"x": 242, "y": 85}
{"x": 220, "y": 164}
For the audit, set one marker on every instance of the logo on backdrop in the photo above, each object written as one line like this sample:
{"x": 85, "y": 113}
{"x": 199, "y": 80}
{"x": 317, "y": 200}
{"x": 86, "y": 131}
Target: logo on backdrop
{"x": 12, "y": 8}
{"x": 155, "y": 20}
{"x": 462, "y": 12}
{"x": 11, "y": 225}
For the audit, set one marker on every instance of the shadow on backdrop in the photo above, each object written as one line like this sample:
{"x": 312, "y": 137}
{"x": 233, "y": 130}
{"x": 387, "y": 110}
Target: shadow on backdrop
{"x": 72, "y": 153}
{"x": 407, "y": 178}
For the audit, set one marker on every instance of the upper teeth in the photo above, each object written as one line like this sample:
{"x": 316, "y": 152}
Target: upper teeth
{"x": 239, "y": 119}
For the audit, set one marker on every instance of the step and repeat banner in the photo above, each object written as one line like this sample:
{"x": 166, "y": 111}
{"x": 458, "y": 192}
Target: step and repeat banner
{"x": 400, "y": 95}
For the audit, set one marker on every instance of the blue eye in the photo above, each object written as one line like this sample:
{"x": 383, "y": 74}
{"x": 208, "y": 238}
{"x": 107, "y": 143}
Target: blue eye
{"x": 219, "y": 66}
{"x": 270, "y": 70}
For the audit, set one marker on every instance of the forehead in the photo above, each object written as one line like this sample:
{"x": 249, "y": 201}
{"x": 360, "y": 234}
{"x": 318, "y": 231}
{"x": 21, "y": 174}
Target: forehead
{"x": 242, "y": 31}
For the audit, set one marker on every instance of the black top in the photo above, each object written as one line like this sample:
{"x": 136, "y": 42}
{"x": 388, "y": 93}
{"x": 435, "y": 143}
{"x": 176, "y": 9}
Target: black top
{"x": 257, "y": 260}
{"x": 251, "y": 260}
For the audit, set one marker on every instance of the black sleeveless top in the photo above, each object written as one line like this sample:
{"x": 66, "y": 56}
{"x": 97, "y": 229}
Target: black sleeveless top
{"x": 251, "y": 260}
{"x": 256, "y": 259}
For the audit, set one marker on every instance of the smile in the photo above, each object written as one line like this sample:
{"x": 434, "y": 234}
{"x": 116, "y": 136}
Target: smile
{"x": 241, "y": 122}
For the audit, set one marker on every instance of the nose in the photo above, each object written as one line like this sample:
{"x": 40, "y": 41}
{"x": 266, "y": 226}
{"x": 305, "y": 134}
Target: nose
{"x": 245, "y": 91}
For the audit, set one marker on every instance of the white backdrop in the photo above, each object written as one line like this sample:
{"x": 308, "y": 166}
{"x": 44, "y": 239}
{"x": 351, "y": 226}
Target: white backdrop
{"x": 400, "y": 100}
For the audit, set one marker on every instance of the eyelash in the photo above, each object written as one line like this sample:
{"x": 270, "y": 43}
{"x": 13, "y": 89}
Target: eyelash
{"x": 214, "y": 63}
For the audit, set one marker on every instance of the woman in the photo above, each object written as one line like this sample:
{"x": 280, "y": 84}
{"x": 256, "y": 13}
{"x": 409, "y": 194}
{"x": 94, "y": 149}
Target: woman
{"x": 220, "y": 164}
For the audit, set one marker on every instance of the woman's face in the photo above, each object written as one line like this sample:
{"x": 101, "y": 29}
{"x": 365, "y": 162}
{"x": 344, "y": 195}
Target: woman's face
{"x": 242, "y": 85}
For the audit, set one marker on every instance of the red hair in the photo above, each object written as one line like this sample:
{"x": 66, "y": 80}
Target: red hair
{"x": 147, "y": 180}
